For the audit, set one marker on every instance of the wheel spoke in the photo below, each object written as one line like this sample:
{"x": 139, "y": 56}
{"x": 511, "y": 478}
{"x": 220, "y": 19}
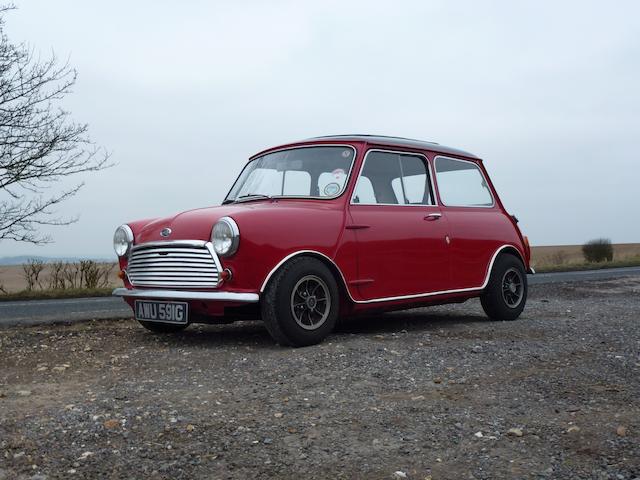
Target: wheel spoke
{"x": 310, "y": 302}
{"x": 512, "y": 288}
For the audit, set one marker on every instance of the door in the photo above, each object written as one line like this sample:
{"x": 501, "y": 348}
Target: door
{"x": 476, "y": 224}
{"x": 401, "y": 232}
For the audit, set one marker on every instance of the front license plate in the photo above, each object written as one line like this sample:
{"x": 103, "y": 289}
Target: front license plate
{"x": 166, "y": 312}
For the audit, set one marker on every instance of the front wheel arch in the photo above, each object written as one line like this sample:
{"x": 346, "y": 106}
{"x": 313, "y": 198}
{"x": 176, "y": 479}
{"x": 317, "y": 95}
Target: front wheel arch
{"x": 345, "y": 295}
{"x": 277, "y": 302}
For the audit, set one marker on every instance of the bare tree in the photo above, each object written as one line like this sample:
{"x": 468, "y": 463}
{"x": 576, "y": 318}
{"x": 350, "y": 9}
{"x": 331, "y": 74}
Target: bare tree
{"x": 56, "y": 278}
{"x": 39, "y": 144}
{"x": 31, "y": 272}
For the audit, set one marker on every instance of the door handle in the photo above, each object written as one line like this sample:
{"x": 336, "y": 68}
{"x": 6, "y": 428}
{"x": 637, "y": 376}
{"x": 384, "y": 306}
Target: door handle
{"x": 433, "y": 216}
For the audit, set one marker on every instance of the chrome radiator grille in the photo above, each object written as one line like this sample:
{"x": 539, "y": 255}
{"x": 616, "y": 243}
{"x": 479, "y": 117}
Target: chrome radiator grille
{"x": 188, "y": 264}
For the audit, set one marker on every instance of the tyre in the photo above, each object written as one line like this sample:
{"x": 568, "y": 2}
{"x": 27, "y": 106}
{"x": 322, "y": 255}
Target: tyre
{"x": 159, "y": 327}
{"x": 505, "y": 296}
{"x": 300, "y": 305}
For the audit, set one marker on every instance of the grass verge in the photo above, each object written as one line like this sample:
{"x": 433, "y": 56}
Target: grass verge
{"x": 56, "y": 294}
{"x": 574, "y": 267}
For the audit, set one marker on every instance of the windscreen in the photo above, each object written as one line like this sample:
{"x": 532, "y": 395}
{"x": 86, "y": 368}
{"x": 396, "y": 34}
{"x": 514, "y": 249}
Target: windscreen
{"x": 314, "y": 172}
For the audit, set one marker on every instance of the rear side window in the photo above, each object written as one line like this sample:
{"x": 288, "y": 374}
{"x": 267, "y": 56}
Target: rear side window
{"x": 393, "y": 179}
{"x": 461, "y": 184}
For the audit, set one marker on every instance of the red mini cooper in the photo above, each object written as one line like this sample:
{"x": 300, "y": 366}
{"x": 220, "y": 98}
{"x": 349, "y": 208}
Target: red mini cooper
{"x": 329, "y": 227}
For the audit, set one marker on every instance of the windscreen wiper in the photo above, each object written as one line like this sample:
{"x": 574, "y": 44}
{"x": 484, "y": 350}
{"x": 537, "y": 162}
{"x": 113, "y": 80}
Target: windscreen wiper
{"x": 249, "y": 196}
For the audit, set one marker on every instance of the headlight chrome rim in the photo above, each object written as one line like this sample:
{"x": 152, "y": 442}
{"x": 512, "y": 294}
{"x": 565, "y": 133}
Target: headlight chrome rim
{"x": 235, "y": 237}
{"x": 128, "y": 235}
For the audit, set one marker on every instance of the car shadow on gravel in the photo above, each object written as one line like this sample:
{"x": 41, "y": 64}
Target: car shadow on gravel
{"x": 254, "y": 333}
{"x": 414, "y": 320}
{"x": 202, "y": 335}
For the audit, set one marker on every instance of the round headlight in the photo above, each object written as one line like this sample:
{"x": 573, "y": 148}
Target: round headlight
{"x": 225, "y": 237}
{"x": 122, "y": 240}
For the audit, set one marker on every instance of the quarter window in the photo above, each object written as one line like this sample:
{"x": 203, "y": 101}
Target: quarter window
{"x": 461, "y": 184}
{"x": 393, "y": 179}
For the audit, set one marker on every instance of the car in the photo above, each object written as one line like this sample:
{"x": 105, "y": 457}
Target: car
{"x": 326, "y": 228}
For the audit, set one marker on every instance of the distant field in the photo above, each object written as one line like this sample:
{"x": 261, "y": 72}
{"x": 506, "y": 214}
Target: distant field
{"x": 554, "y": 257}
{"x": 12, "y": 277}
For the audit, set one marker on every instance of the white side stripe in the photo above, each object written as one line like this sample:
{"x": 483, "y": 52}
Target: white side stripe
{"x": 388, "y": 299}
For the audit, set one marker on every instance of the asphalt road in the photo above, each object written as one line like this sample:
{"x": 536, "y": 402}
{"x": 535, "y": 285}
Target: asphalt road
{"x": 35, "y": 312}
{"x": 602, "y": 274}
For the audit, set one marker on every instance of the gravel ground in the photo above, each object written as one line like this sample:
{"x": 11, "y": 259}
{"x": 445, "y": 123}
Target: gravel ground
{"x": 429, "y": 393}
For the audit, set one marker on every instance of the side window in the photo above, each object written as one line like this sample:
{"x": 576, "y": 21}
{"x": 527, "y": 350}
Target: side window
{"x": 414, "y": 187}
{"x": 393, "y": 179}
{"x": 461, "y": 184}
{"x": 364, "y": 191}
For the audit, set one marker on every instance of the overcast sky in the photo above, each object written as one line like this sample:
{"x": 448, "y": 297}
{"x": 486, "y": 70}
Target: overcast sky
{"x": 547, "y": 93}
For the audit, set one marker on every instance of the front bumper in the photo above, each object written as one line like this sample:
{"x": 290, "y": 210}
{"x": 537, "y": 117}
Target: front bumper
{"x": 186, "y": 295}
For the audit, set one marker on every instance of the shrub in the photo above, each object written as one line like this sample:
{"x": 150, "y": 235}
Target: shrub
{"x": 71, "y": 275}
{"x": 85, "y": 274}
{"x": 598, "y": 250}
{"x": 105, "y": 272}
{"x": 31, "y": 272}
{"x": 94, "y": 275}
{"x": 90, "y": 273}
{"x": 56, "y": 276}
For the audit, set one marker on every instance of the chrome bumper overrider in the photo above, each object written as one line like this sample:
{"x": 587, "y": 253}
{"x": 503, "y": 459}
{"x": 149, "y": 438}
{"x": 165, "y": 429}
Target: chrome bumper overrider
{"x": 182, "y": 295}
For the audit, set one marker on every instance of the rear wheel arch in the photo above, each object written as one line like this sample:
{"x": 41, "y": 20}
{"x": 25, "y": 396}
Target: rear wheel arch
{"x": 499, "y": 253}
{"x": 495, "y": 297}
{"x": 511, "y": 250}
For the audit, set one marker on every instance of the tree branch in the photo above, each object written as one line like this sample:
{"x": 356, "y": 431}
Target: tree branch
{"x": 39, "y": 143}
